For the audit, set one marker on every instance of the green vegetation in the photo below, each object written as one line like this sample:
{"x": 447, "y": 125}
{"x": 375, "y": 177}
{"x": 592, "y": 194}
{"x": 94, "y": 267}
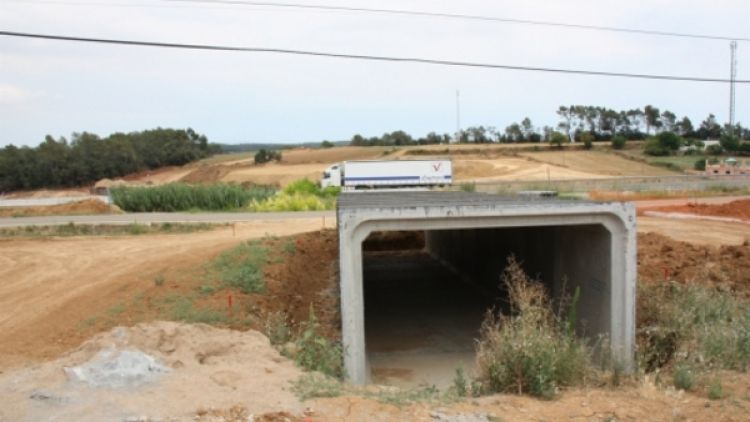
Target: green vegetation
{"x": 301, "y": 195}
{"x": 276, "y": 328}
{"x": 159, "y": 280}
{"x": 716, "y": 390}
{"x": 619, "y": 142}
{"x": 182, "y": 197}
{"x": 71, "y": 229}
{"x": 315, "y": 352}
{"x": 313, "y": 385}
{"x": 264, "y": 156}
{"x": 468, "y": 187}
{"x": 183, "y": 308}
{"x": 692, "y": 327}
{"x": 88, "y": 158}
{"x": 242, "y": 267}
{"x": 533, "y": 351}
{"x": 683, "y": 379}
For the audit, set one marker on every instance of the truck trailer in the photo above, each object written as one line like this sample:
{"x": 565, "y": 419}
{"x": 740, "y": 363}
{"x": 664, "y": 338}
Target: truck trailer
{"x": 388, "y": 174}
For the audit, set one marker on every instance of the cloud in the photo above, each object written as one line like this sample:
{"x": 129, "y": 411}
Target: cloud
{"x": 13, "y": 95}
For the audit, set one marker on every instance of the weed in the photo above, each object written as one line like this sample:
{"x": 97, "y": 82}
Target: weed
{"x": 683, "y": 378}
{"x": 290, "y": 248}
{"x": 716, "y": 390}
{"x": 468, "y": 187}
{"x": 207, "y": 289}
{"x": 276, "y": 328}
{"x": 136, "y": 229}
{"x": 532, "y": 351}
{"x": 159, "y": 280}
{"x": 314, "y": 352}
{"x": 459, "y": 383}
{"x": 400, "y": 398}
{"x": 313, "y": 385}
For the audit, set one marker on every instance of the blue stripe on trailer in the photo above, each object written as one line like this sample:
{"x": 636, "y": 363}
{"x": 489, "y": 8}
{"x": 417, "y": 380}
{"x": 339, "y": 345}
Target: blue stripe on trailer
{"x": 357, "y": 179}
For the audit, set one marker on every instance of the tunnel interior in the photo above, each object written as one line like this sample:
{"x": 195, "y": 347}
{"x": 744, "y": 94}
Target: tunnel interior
{"x": 426, "y": 292}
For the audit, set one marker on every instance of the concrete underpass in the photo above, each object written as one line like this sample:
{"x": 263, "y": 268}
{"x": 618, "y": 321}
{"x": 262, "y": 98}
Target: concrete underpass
{"x": 412, "y": 304}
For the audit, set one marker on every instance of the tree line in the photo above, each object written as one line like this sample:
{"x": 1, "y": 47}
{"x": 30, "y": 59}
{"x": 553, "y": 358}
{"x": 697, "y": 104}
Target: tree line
{"x": 87, "y": 157}
{"x": 576, "y": 123}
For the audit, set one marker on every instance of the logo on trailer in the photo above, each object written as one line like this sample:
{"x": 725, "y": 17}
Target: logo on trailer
{"x": 436, "y": 167}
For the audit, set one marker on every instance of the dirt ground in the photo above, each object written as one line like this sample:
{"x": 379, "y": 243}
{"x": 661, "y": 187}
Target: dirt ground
{"x": 85, "y": 207}
{"x": 51, "y": 285}
{"x": 597, "y": 162}
{"x": 739, "y": 209}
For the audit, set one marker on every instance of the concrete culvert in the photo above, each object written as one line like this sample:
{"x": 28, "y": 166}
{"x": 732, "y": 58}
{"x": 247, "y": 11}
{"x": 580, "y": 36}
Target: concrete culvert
{"x": 418, "y": 271}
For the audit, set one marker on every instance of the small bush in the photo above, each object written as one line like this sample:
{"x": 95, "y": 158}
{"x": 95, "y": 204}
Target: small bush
{"x": 459, "y": 383}
{"x": 683, "y": 379}
{"x": 531, "y": 351}
{"x": 557, "y": 139}
{"x": 588, "y": 140}
{"x": 314, "y": 352}
{"x": 716, "y": 390}
{"x": 653, "y": 148}
{"x": 159, "y": 280}
{"x": 714, "y": 150}
{"x": 700, "y": 165}
{"x": 618, "y": 142}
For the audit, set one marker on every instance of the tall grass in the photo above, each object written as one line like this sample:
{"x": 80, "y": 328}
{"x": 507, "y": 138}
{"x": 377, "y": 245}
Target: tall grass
{"x": 532, "y": 351}
{"x": 182, "y": 197}
{"x": 242, "y": 267}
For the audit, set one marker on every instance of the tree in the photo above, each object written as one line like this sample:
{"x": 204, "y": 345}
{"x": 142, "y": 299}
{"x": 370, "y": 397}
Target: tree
{"x": 264, "y": 156}
{"x": 729, "y": 142}
{"x": 557, "y": 139}
{"x": 327, "y": 144}
{"x": 652, "y": 117}
{"x": 684, "y": 127}
{"x": 514, "y": 133}
{"x": 668, "y": 120}
{"x": 709, "y": 128}
{"x": 565, "y": 114}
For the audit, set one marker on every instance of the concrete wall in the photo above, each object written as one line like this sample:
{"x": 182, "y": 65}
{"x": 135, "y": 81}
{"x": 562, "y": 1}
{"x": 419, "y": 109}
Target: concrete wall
{"x": 594, "y": 244}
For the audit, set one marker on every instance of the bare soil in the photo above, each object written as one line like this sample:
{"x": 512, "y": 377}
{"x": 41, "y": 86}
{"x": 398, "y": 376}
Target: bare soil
{"x": 736, "y": 209}
{"x": 85, "y": 207}
{"x": 661, "y": 259}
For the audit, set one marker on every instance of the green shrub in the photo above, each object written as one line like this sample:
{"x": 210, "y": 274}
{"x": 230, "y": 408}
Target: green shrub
{"x": 459, "y": 383}
{"x": 716, "y": 390}
{"x": 655, "y": 149}
{"x": 314, "y": 352}
{"x": 714, "y": 150}
{"x": 587, "y": 139}
{"x": 700, "y": 165}
{"x": 264, "y": 156}
{"x": 314, "y": 385}
{"x": 557, "y": 139}
{"x": 669, "y": 141}
{"x": 683, "y": 379}
{"x": 276, "y": 327}
{"x": 729, "y": 142}
{"x": 297, "y": 202}
{"x": 530, "y": 351}
{"x": 618, "y": 142}
{"x": 182, "y": 197}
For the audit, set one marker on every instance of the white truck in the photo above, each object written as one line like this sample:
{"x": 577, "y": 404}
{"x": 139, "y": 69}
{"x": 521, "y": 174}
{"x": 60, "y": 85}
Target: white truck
{"x": 388, "y": 174}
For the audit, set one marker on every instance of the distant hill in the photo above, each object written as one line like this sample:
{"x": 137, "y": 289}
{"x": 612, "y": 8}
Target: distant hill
{"x": 244, "y": 147}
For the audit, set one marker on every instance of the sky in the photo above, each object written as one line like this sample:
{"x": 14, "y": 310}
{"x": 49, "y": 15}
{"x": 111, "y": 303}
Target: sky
{"x": 57, "y": 88}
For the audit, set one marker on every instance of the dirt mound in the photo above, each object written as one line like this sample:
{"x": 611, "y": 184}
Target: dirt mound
{"x": 85, "y": 207}
{"x": 660, "y": 258}
{"x": 206, "y": 174}
{"x": 48, "y": 193}
{"x": 735, "y": 209}
{"x": 209, "y": 368}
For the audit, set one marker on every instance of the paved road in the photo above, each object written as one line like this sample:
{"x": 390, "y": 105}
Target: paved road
{"x": 149, "y": 218}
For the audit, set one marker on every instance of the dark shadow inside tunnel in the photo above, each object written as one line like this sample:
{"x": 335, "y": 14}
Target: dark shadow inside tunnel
{"x": 426, "y": 293}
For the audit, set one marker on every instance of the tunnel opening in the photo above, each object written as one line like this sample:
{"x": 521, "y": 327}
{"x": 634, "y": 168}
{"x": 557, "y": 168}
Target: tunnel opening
{"x": 427, "y": 292}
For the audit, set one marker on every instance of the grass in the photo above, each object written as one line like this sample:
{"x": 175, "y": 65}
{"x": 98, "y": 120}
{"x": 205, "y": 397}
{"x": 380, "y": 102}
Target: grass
{"x": 276, "y": 328}
{"x": 183, "y": 197}
{"x": 183, "y": 308}
{"x": 71, "y": 229}
{"x": 532, "y": 351}
{"x": 691, "y": 326}
{"x": 314, "y": 385}
{"x": 242, "y": 267}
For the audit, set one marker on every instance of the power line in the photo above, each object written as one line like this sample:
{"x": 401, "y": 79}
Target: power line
{"x": 467, "y": 17}
{"x": 210, "y": 47}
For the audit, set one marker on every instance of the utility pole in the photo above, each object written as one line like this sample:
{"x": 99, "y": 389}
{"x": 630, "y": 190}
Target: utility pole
{"x": 458, "y": 117}
{"x": 732, "y": 78}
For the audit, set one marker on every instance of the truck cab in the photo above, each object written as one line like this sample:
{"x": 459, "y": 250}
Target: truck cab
{"x": 331, "y": 177}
